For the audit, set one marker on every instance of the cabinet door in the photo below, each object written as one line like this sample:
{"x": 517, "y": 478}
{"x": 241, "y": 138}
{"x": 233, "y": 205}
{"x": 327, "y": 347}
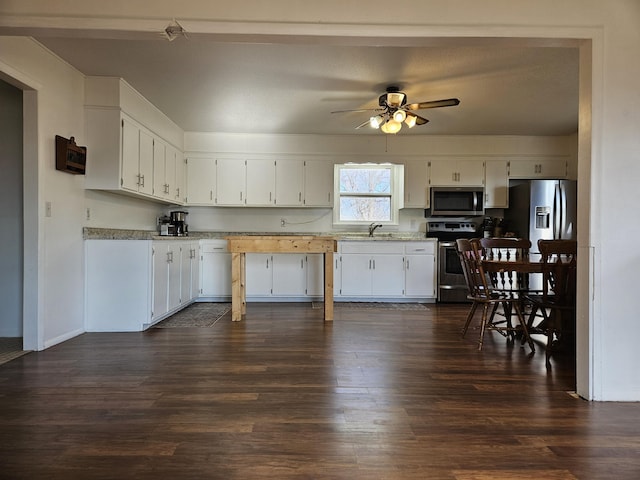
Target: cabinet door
{"x": 259, "y": 277}
{"x": 289, "y": 182}
{"x": 471, "y": 172}
{"x": 315, "y": 273}
{"x": 180, "y": 190}
{"x": 551, "y": 168}
{"x": 420, "y": 276}
{"x": 195, "y": 269}
{"x": 175, "y": 273}
{"x": 496, "y": 186}
{"x": 416, "y": 184}
{"x": 201, "y": 181}
{"x": 130, "y": 156}
{"x": 159, "y": 184}
{"x": 160, "y": 278}
{"x": 261, "y": 181}
{"x": 443, "y": 172}
{"x": 146, "y": 163}
{"x": 185, "y": 272}
{"x": 355, "y": 275}
{"x": 230, "y": 181}
{"x": 170, "y": 172}
{"x": 387, "y": 275}
{"x": 318, "y": 183}
{"x": 215, "y": 274}
{"x": 289, "y": 274}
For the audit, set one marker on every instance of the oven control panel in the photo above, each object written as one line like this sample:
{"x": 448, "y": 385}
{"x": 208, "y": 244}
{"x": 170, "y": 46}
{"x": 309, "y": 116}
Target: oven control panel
{"x": 453, "y": 227}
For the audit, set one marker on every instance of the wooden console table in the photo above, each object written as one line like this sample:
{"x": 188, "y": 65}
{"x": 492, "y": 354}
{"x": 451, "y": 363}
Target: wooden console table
{"x": 239, "y": 246}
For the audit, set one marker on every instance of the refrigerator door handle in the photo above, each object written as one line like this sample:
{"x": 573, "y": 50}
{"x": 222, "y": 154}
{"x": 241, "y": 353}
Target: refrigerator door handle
{"x": 557, "y": 216}
{"x": 563, "y": 211}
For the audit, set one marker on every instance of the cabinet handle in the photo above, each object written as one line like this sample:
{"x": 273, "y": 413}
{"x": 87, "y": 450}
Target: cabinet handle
{"x": 142, "y": 180}
{"x": 210, "y": 194}
{"x": 178, "y": 192}
{"x": 374, "y": 264}
{"x": 240, "y": 196}
{"x": 407, "y": 262}
{"x": 267, "y": 263}
{"x": 301, "y": 263}
{"x": 269, "y": 197}
{"x": 329, "y": 197}
{"x": 299, "y": 196}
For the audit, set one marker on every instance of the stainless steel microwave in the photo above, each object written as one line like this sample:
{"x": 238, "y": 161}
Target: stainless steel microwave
{"x": 457, "y": 201}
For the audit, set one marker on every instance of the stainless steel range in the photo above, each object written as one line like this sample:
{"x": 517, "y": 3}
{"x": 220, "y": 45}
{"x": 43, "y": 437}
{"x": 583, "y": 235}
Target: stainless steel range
{"x": 452, "y": 287}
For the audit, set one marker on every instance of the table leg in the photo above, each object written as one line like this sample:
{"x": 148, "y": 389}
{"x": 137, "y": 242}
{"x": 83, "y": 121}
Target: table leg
{"x": 236, "y": 287}
{"x": 243, "y": 282}
{"x": 328, "y": 286}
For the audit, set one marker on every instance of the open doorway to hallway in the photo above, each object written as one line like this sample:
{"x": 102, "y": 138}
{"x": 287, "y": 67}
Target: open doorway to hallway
{"x": 11, "y": 219}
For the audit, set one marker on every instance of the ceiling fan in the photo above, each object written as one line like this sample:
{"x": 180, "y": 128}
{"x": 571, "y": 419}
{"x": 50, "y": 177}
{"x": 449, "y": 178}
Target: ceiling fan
{"x": 394, "y": 110}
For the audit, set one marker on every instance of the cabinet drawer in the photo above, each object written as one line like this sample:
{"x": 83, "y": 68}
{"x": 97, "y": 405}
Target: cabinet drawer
{"x": 372, "y": 247}
{"x": 417, "y": 248}
{"x": 216, "y": 246}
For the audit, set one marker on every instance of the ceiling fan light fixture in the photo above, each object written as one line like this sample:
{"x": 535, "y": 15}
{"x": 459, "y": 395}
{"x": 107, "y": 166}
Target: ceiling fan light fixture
{"x": 399, "y": 116}
{"x": 391, "y": 126}
{"x": 410, "y": 121}
{"x": 395, "y": 98}
{"x": 376, "y": 121}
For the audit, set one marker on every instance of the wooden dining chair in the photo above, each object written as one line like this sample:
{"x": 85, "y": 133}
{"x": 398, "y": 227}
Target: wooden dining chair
{"x": 481, "y": 292}
{"x": 557, "y": 300}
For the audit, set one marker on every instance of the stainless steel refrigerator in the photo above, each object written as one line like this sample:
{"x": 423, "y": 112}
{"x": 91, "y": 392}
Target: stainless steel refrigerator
{"x": 542, "y": 209}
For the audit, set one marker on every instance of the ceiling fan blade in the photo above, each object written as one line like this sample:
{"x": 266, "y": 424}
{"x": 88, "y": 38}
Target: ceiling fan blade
{"x": 363, "y": 124}
{"x": 449, "y": 102}
{"x": 419, "y": 120}
{"x": 358, "y": 110}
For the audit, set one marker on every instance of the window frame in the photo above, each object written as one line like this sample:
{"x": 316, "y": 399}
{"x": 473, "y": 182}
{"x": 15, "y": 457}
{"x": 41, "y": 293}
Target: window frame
{"x": 396, "y": 194}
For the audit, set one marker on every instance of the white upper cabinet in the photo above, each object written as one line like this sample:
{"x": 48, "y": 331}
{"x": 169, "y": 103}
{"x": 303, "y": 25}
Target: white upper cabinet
{"x": 318, "y": 183}
{"x": 124, "y": 151}
{"x": 264, "y": 182}
{"x": 496, "y": 187}
{"x": 230, "y": 181}
{"x": 289, "y": 182}
{"x": 137, "y": 158}
{"x": 554, "y": 167}
{"x": 456, "y": 172}
{"x": 201, "y": 181}
{"x": 260, "y": 182}
{"x": 416, "y": 184}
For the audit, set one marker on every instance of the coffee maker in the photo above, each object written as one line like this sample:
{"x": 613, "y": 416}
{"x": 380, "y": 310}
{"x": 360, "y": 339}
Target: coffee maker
{"x": 179, "y": 223}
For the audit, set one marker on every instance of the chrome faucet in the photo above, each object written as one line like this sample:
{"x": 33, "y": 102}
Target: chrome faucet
{"x": 372, "y": 228}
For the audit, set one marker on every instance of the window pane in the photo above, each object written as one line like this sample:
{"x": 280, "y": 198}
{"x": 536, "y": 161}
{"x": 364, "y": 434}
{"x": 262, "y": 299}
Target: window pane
{"x": 369, "y": 209}
{"x": 365, "y": 180}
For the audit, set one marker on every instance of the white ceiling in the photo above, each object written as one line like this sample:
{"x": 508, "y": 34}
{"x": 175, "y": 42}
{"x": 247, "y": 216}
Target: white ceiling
{"x": 242, "y": 87}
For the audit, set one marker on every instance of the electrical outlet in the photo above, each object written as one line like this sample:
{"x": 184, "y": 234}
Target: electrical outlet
{"x": 283, "y": 222}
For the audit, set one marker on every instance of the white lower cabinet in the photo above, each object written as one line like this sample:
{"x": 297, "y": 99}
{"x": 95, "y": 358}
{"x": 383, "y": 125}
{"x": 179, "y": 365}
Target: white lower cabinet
{"x": 215, "y": 270}
{"x": 173, "y": 265}
{"x": 372, "y": 269}
{"x": 132, "y": 284}
{"x": 276, "y": 275}
{"x": 389, "y": 269}
{"x": 420, "y": 270}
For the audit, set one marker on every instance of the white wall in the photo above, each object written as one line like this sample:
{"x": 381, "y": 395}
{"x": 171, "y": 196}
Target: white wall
{"x": 11, "y": 256}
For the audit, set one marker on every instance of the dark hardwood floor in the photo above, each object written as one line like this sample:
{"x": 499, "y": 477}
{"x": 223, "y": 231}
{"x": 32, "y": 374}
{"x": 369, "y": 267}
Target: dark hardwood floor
{"x": 376, "y": 394}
